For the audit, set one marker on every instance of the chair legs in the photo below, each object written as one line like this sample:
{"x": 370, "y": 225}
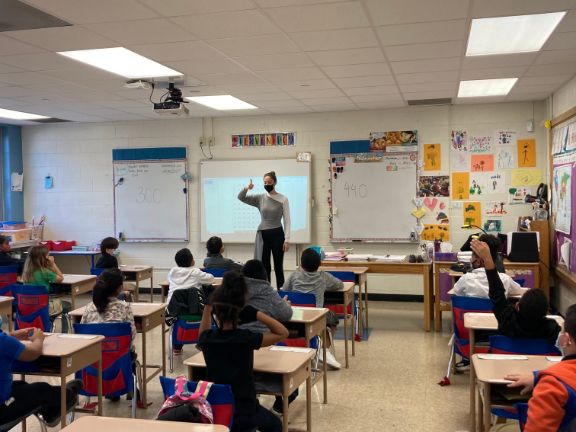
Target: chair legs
{"x": 170, "y": 351}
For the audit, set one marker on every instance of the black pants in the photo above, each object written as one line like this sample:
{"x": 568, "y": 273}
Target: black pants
{"x": 273, "y": 242}
{"x": 27, "y": 397}
{"x": 266, "y": 422}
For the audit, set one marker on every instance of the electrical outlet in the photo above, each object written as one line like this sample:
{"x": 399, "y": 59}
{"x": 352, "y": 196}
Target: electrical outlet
{"x": 211, "y": 142}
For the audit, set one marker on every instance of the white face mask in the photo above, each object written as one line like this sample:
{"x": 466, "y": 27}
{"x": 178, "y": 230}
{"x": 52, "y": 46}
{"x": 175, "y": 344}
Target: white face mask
{"x": 558, "y": 344}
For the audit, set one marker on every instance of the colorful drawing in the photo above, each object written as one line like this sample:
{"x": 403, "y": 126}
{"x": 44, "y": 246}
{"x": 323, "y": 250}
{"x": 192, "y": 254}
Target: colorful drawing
{"x": 486, "y": 183}
{"x": 472, "y": 213}
{"x": 432, "y": 157}
{"x": 525, "y": 177}
{"x": 480, "y": 144}
{"x": 460, "y": 183}
{"x": 571, "y": 137}
{"x": 506, "y": 137}
{"x": 436, "y": 210}
{"x": 459, "y": 151}
{"x": 260, "y": 140}
{"x": 459, "y": 140}
{"x": 459, "y": 161}
{"x": 493, "y": 225}
{"x": 505, "y": 158}
{"x": 517, "y": 195}
{"x": 495, "y": 208}
{"x": 436, "y": 186}
{"x": 526, "y": 153}
{"x": 562, "y": 198}
{"x": 394, "y": 141}
{"x": 482, "y": 162}
{"x": 433, "y": 232}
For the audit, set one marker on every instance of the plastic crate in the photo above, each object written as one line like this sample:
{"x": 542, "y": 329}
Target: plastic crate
{"x": 17, "y": 236}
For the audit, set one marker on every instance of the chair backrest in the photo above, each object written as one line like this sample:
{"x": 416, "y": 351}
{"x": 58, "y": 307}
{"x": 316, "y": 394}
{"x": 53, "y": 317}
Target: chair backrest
{"x": 504, "y": 345}
{"x": 8, "y": 276}
{"x": 117, "y": 378}
{"x": 220, "y": 398}
{"x": 299, "y": 299}
{"x": 216, "y": 272}
{"x": 95, "y": 271}
{"x": 460, "y": 306}
{"x": 344, "y": 276}
{"x": 185, "y": 332}
{"x": 31, "y": 307}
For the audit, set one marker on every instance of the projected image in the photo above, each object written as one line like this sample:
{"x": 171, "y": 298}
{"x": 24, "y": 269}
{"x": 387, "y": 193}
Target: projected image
{"x": 225, "y": 214}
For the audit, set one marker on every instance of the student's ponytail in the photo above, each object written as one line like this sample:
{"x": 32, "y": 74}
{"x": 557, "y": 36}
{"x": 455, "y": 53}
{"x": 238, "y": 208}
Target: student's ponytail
{"x": 106, "y": 286}
{"x": 229, "y": 298}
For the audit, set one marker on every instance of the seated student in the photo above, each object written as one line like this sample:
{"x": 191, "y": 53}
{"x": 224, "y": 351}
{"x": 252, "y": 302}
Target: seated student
{"x": 107, "y": 248}
{"x": 229, "y": 351}
{"x": 184, "y": 275}
{"x": 17, "y": 398}
{"x": 215, "y": 260}
{"x": 525, "y": 320}
{"x": 307, "y": 279}
{"x": 5, "y": 258}
{"x": 475, "y": 283}
{"x": 547, "y": 408}
{"x": 40, "y": 269}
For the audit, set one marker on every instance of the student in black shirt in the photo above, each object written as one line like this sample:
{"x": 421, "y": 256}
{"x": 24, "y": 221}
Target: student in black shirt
{"x": 5, "y": 257}
{"x": 107, "y": 248}
{"x": 527, "y": 319}
{"x": 229, "y": 351}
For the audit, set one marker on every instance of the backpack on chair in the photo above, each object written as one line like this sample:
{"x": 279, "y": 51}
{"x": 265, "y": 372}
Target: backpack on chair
{"x": 184, "y": 406}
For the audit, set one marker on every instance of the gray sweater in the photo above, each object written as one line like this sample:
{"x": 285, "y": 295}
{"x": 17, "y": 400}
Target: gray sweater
{"x": 273, "y": 208}
{"x": 263, "y": 297}
{"x": 217, "y": 261}
{"x": 314, "y": 283}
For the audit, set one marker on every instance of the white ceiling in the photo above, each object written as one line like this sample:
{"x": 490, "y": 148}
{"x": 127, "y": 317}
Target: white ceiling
{"x": 283, "y": 56}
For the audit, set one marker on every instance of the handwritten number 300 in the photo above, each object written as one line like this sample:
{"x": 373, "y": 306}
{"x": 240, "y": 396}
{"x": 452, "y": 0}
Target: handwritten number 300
{"x": 147, "y": 195}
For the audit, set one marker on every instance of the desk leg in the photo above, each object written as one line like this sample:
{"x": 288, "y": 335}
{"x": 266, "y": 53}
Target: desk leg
{"x": 353, "y": 329}
{"x": 486, "y": 415}
{"x": 427, "y": 302}
{"x": 100, "y": 407}
{"x": 309, "y": 404}
{"x": 437, "y": 311}
{"x": 72, "y": 299}
{"x": 345, "y": 333}
{"x": 62, "y": 401}
{"x": 163, "y": 347}
{"x": 324, "y": 367}
{"x": 144, "y": 371}
{"x": 472, "y": 383}
{"x": 366, "y": 301}
{"x": 360, "y": 309}
{"x": 136, "y": 291}
{"x": 285, "y": 407}
{"x": 151, "y": 288}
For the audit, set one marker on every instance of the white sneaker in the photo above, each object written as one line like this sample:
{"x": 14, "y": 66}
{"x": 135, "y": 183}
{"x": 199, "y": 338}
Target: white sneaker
{"x": 331, "y": 361}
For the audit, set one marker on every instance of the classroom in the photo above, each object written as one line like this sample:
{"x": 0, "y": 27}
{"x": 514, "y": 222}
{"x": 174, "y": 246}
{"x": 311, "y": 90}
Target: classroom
{"x": 401, "y": 170}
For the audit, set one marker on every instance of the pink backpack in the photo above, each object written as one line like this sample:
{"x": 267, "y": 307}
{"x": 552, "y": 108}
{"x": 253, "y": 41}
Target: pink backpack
{"x": 182, "y": 396}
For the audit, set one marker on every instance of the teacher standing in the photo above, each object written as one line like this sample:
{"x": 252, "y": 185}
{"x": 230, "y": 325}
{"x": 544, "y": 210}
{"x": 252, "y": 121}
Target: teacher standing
{"x": 270, "y": 237}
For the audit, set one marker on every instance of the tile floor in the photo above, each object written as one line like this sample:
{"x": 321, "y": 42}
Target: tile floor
{"x": 391, "y": 384}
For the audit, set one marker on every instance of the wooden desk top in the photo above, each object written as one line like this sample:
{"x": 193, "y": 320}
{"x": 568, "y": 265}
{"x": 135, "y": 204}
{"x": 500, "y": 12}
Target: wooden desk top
{"x": 383, "y": 267}
{"x": 140, "y": 310}
{"x": 98, "y": 424}
{"x": 73, "y": 279}
{"x": 61, "y": 345}
{"x": 267, "y": 360}
{"x": 75, "y": 252}
{"x": 307, "y": 314}
{"x": 134, "y": 268}
{"x": 355, "y": 270}
{"x": 4, "y": 299}
{"x": 488, "y": 321}
{"x": 217, "y": 282}
{"x": 493, "y": 371}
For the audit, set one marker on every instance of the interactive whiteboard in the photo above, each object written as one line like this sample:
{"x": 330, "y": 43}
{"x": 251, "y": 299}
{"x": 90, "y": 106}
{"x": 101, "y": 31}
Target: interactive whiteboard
{"x": 223, "y": 215}
{"x": 150, "y": 197}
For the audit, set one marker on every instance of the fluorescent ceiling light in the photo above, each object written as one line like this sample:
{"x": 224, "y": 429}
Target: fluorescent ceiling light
{"x": 222, "y": 102}
{"x": 512, "y": 34}
{"x": 121, "y": 61}
{"x": 486, "y": 87}
{"x": 18, "y": 115}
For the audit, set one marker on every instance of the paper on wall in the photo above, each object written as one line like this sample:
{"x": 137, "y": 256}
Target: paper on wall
{"x": 17, "y": 181}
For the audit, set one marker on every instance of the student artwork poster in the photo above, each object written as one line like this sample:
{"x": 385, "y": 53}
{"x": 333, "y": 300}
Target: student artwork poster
{"x": 495, "y": 208}
{"x": 517, "y": 195}
{"x": 472, "y": 213}
{"x": 394, "y": 141}
{"x": 493, "y": 225}
{"x": 505, "y": 158}
{"x": 480, "y": 144}
{"x": 482, "y": 162}
{"x": 525, "y": 177}
{"x": 433, "y": 232}
{"x": 506, "y": 138}
{"x": 562, "y": 198}
{"x": 486, "y": 183}
{"x": 434, "y": 186}
{"x": 432, "y": 157}
{"x": 436, "y": 210}
{"x": 459, "y": 151}
{"x": 526, "y": 153}
{"x": 460, "y": 185}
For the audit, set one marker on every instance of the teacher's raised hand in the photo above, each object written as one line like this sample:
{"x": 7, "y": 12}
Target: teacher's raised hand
{"x": 250, "y": 185}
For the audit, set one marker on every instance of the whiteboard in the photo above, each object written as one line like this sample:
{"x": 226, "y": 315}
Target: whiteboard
{"x": 372, "y": 201}
{"x": 151, "y": 200}
{"x": 223, "y": 215}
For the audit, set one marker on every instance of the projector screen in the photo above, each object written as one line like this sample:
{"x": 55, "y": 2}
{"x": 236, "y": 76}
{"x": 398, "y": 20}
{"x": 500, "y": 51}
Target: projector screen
{"x": 223, "y": 214}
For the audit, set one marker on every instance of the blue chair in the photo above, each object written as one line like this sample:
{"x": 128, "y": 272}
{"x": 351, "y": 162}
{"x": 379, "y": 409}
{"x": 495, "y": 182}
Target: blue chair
{"x": 220, "y": 399}
{"x": 338, "y": 309}
{"x": 460, "y": 306}
{"x": 8, "y": 277}
{"x": 216, "y": 272}
{"x": 298, "y": 298}
{"x": 95, "y": 271}
{"x": 32, "y": 307}
{"x": 183, "y": 332}
{"x": 117, "y": 376}
{"x": 504, "y": 345}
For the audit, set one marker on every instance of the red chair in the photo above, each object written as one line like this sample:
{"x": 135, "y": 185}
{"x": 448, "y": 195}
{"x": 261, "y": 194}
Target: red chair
{"x": 300, "y": 300}
{"x": 32, "y": 307}
{"x": 338, "y": 309}
{"x": 183, "y": 332}
{"x": 220, "y": 399}
{"x": 8, "y": 277}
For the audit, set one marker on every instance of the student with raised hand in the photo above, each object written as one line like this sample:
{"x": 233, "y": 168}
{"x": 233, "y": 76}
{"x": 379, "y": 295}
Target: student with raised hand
{"x": 215, "y": 260}
{"x": 525, "y": 320}
{"x": 18, "y": 398}
{"x": 229, "y": 351}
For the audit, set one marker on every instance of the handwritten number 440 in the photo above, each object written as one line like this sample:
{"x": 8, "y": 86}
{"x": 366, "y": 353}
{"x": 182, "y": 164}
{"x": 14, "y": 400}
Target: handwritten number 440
{"x": 148, "y": 195}
{"x": 355, "y": 191}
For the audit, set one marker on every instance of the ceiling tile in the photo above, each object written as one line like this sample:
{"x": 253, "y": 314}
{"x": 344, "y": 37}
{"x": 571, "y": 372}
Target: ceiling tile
{"x": 4, "y": 68}
{"x": 366, "y": 81}
{"x": 551, "y": 69}
{"x": 502, "y": 72}
{"x": 439, "y": 31}
{"x": 9, "y": 46}
{"x": 320, "y": 17}
{"x": 303, "y": 92}
{"x": 549, "y": 79}
{"x": 274, "y": 61}
{"x": 62, "y": 38}
{"x": 172, "y": 8}
{"x": 224, "y": 79}
{"x": 347, "y": 57}
{"x": 142, "y": 32}
{"x": 424, "y": 51}
{"x": 335, "y": 39}
{"x": 556, "y": 56}
{"x": 430, "y": 94}
{"x": 40, "y": 62}
{"x": 537, "y": 96}
{"x": 491, "y": 8}
{"x": 521, "y": 88}
{"x": 371, "y": 91}
{"x": 326, "y": 101}
{"x": 357, "y": 70}
{"x": 264, "y": 97}
{"x": 411, "y": 11}
{"x": 429, "y": 65}
{"x": 568, "y": 23}
{"x": 281, "y": 104}
{"x": 292, "y": 74}
{"x": 425, "y": 87}
{"x": 280, "y": 3}
{"x": 178, "y": 51}
{"x": 212, "y": 66}
{"x": 561, "y": 41}
{"x": 227, "y": 24}
{"x": 479, "y": 100}
{"x": 427, "y": 77}
{"x": 331, "y": 108}
{"x": 259, "y": 45}
{"x": 89, "y": 11}
{"x": 498, "y": 61}
{"x": 379, "y": 105}
{"x": 377, "y": 98}
{"x": 306, "y": 86}
{"x": 294, "y": 110}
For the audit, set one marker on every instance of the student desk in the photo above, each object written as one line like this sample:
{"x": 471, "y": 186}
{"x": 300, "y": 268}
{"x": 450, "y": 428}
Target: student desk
{"x": 314, "y": 322}
{"x": 444, "y": 280}
{"x": 147, "y": 316}
{"x": 91, "y": 254}
{"x": 289, "y": 366}
{"x": 424, "y": 269}
{"x": 345, "y": 297}
{"x": 362, "y": 282}
{"x": 474, "y": 321}
{"x": 65, "y": 354}
{"x": 138, "y": 273}
{"x": 6, "y": 309}
{"x": 99, "y": 424}
{"x": 491, "y": 372}
{"x": 76, "y": 284}
{"x": 164, "y": 286}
